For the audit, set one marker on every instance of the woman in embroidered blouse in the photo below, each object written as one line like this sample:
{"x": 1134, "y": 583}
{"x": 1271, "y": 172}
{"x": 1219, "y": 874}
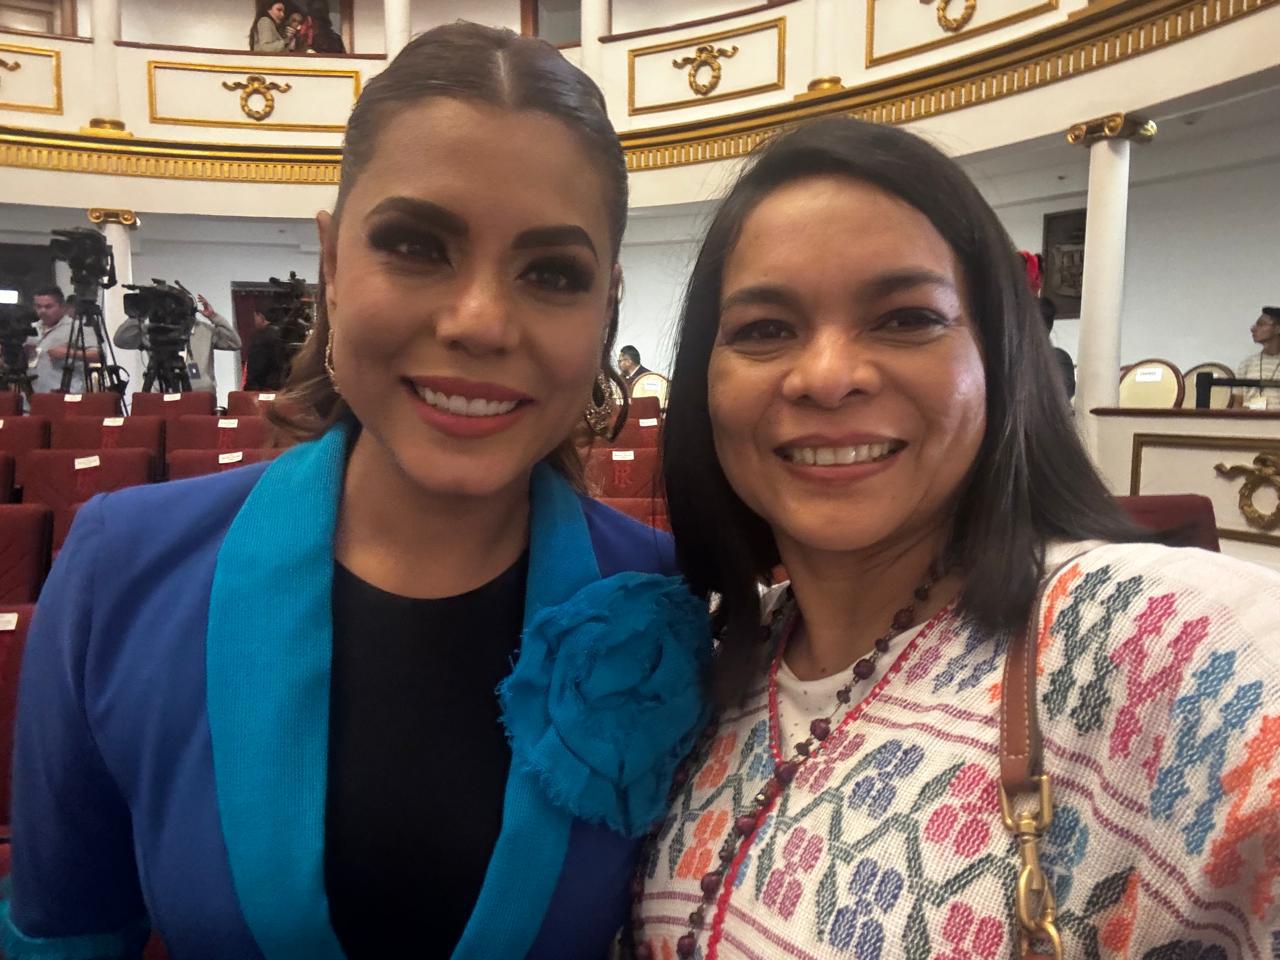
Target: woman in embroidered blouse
{"x": 267, "y": 727}
{"x": 862, "y": 392}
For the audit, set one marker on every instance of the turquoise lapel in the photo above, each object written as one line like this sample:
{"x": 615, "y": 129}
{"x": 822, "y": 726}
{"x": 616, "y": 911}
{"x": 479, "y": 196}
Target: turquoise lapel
{"x": 268, "y": 702}
{"x": 269, "y": 652}
{"x": 525, "y": 866}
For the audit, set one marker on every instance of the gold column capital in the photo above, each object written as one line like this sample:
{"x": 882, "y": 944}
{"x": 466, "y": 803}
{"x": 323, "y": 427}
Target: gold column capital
{"x": 107, "y": 215}
{"x": 1114, "y": 126}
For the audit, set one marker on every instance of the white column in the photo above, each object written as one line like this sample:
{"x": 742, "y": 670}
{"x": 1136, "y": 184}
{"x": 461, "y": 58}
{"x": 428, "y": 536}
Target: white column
{"x": 105, "y": 20}
{"x": 119, "y": 236}
{"x": 595, "y": 24}
{"x": 396, "y": 20}
{"x": 827, "y": 35}
{"x": 1107, "y": 212}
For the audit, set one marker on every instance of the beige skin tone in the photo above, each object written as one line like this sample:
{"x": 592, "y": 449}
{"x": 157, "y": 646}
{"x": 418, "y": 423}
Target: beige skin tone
{"x": 844, "y": 311}
{"x": 625, "y": 366}
{"x": 50, "y": 312}
{"x": 1266, "y": 333}
{"x": 414, "y": 292}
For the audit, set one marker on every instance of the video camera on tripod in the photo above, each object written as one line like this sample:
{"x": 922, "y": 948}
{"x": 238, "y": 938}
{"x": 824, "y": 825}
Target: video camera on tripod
{"x": 17, "y": 323}
{"x": 289, "y": 311}
{"x": 166, "y": 314}
{"x": 93, "y": 269}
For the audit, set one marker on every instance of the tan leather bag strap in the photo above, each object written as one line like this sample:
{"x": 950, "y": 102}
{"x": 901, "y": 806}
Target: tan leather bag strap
{"x": 1022, "y": 774}
{"x": 1021, "y": 750}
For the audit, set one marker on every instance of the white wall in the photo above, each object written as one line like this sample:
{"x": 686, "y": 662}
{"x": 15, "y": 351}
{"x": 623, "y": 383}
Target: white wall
{"x": 1201, "y": 259}
{"x": 628, "y": 16}
{"x": 214, "y": 23}
{"x": 490, "y": 13}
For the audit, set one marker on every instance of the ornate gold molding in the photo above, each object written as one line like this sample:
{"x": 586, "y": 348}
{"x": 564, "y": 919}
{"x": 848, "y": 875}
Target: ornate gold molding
{"x": 250, "y": 73}
{"x": 1114, "y": 126}
{"x": 1115, "y": 33}
{"x": 256, "y": 85}
{"x": 955, "y": 24}
{"x": 108, "y": 215}
{"x": 236, "y": 163}
{"x": 10, "y": 66}
{"x": 1264, "y": 472}
{"x": 699, "y": 44}
{"x": 708, "y": 55}
{"x": 1112, "y": 35}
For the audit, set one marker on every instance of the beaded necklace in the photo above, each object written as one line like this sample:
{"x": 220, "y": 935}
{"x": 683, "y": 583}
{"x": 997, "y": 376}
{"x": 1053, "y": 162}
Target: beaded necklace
{"x": 784, "y": 771}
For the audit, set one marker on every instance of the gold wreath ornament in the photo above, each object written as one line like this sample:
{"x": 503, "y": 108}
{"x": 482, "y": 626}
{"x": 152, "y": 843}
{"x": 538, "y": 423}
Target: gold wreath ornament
{"x": 956, "y": 24}
{"x": 1264, "y": 472}
{"x": 256, "y": 85}
{"x": 10, "y": 66}
{"x": 707, "y": 55}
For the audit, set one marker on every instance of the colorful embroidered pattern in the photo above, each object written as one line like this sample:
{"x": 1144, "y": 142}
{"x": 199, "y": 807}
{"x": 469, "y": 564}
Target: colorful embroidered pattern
{"x": 1161, "y": 721}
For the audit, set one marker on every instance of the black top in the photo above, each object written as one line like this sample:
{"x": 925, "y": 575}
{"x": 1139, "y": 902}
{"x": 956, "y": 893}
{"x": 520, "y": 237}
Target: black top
{"x": 418, "y": 760}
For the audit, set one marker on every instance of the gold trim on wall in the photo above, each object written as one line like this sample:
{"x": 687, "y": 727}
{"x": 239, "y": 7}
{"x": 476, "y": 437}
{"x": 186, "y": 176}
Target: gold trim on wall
{"x": 73, "y": 153}
{"x": 56, "y": 57}
{"x": 1113, "y": 34}
{"x": 126, "y": 218}
{"x": 155, "y": 117}
{"x": 1096, "y": 39}
{"x": 1049, "y": 6}
{"x": 1249, "y": 445}
{"x": 780, "y": 24}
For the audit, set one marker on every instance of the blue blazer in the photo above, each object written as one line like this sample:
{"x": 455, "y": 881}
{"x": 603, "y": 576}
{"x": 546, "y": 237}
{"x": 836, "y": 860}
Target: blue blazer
{"x": 171, "y": 749}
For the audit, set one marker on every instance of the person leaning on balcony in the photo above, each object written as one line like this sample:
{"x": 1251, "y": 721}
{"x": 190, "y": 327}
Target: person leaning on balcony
{"x": 268, "y": 33}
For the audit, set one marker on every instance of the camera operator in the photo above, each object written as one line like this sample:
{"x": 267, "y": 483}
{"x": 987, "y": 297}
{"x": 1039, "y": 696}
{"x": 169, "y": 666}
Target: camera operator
{"x": 212, "y": 331}
{"x": 279, "y": 331}
{"x": 48, "y": 352}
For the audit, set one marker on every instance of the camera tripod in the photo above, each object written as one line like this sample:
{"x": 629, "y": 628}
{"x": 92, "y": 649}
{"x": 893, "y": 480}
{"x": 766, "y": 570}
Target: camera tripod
{"x": 93, "y": 269}
{"x": 167, "y": 372}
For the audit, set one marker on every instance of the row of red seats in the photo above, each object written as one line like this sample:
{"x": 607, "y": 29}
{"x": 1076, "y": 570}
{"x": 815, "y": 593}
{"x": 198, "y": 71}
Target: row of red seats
{"x": 20, "y": 435}
{"x": 55, "y": 406}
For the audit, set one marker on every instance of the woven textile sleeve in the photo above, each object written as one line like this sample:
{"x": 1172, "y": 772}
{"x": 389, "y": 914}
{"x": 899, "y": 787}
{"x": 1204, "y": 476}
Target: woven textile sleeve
{"x": 1159, "y": 687}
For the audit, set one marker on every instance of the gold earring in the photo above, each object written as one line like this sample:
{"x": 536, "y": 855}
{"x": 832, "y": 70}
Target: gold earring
{"x": 328, "y": 361}
{"x": 599, "y": 414}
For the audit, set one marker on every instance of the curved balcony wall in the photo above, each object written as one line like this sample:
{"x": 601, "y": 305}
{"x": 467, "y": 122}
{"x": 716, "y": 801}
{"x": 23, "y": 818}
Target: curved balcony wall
{"x": 691, "y": 87}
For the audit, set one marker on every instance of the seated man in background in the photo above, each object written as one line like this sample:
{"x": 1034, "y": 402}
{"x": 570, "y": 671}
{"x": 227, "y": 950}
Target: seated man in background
{"x": 1263, "y": 365}
{"x": 49, "y": 351}
{"x": 629, "y": 364}
{"x": 212, "y": 331}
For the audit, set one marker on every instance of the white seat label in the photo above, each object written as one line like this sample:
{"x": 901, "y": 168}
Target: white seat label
{"x": 71, "y": 398}
{"x": 8, "y": 622}
{"x": 113, "y": 422}
{"x": 648, "y": 421}
{"x": 266, "y": 396}
{"x": 228, "y": 424}
{"x": 84, "y": 463}
{"x": 170, "y": 397}
{"x": 624, "y": 454}
{"x": 231, "y": 457}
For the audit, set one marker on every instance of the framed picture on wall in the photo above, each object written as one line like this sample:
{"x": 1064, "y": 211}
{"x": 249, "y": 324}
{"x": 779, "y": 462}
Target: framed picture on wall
{"x": 1063, "y": 248}
{"x": 340, "y": 15}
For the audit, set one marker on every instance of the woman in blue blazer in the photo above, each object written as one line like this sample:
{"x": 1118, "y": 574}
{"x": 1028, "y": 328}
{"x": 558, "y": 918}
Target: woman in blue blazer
{"x": 258, "y": 710}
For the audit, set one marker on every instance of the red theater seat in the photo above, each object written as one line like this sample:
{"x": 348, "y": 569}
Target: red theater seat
{"x": 26, "y": 533}
{"x": 639, "y": 432}
{"x": 6, "y": 477}
{"x": 55, "y": 406}
{"x": 14, "y": 623}
{"x": 648, "y": 510}
{"x": 20, "y": 434}
{"x": 218, "y": 433}
{"x": 197, "y": 463}
{"x": 170, "y": 406}
{"x": 10, "y": 404}
{"x": 111, "y": 433}
{"x": 248, "y": 403}
{"x": 1187, "y": 520}
{"x": 613, "y": 472}
{"x": 63, "y": 479}
{"x": 644, "y": 408}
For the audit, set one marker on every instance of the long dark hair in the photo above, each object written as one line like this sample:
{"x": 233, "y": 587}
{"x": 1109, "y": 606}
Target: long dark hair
{"x": 263, "y": 7}
{"x": 1031, "y": 481}
{"x": 481, "y": 64}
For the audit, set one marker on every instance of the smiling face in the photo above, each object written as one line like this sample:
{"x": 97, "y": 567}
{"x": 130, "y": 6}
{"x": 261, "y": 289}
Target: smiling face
{"x": 846, "y": 386}
{"x": 468, "y": 287}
